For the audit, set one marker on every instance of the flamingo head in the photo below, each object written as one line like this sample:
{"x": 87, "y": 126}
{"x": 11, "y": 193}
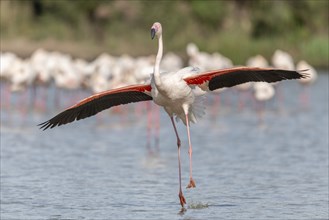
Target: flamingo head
{"x": 156, "y": 29}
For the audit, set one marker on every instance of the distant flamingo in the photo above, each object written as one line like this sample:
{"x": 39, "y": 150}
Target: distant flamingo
{"x": 262, "y": 92}
{"x": 313, "y": 75}
{"x": 177, "y": 92}
{"x": 281, "y": 60}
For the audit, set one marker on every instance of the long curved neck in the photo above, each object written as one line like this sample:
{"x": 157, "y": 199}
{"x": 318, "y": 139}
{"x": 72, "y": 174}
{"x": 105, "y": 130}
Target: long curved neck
{"x": 157, "y": 62}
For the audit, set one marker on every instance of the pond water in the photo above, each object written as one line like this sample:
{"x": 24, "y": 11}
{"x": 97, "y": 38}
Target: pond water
{"x": 100, "y": 168}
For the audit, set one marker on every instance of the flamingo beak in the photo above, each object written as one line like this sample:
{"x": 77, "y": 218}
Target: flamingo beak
{"x": 152, "y": 33}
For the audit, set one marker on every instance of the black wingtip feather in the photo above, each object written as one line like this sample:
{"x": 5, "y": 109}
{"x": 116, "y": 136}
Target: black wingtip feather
{"x": 261, "y": 75}
{"x": 93, "y": 107}
{"x": 304, "y": 74}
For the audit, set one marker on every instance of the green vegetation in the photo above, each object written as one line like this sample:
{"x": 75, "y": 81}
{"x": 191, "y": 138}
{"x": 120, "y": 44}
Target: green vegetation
{"x": 238, "y": 28}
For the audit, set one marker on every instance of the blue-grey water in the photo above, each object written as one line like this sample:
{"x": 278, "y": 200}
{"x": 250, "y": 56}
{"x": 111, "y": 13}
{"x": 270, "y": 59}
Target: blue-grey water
{"x": 100, "y": 168}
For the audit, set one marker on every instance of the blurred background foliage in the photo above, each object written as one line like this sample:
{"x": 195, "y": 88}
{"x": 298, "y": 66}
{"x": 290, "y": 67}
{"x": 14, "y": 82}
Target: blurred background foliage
{"x": 238, "y": 28}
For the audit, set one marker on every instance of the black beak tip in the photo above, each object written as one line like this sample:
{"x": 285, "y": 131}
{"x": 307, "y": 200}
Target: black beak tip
{"x": 152, "y": 33}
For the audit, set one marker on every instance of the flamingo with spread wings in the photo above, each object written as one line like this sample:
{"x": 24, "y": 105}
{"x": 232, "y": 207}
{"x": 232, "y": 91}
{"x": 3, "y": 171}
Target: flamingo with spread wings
{"x": 179, "y": 93}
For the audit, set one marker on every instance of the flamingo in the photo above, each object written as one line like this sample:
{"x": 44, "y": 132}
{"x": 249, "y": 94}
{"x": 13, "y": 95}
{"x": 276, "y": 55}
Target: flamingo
{"x": 206, "y": 61}
{"x": 179, "y": 93}
{"x": 282, "y": 60}
{"x": 313, "y": 75}
{"x": 262, "y": 92}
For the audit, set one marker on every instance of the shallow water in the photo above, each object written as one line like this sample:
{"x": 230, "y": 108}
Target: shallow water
{"x": 100, "y": 168}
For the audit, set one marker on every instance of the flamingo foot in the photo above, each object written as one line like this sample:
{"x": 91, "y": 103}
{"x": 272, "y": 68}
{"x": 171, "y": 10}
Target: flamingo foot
{"x": 181, "y": 199}
{"x": 191, "y": 184}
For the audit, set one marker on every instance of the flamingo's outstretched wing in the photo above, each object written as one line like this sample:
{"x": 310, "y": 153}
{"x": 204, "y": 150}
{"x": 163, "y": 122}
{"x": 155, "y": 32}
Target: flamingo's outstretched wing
{"x": 99, "y": 102}
{"x": 217, "y": 79}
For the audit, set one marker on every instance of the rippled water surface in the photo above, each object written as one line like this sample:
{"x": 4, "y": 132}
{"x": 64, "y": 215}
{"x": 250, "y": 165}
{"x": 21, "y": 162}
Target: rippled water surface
{"x": 100, "y": 168}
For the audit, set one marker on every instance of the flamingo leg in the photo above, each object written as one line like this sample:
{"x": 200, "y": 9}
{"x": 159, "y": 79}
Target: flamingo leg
{"x": 191, "y": 183}
{"x": 180, "y": 194}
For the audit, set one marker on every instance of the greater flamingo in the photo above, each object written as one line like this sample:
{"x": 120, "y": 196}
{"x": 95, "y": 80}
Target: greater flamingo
{"x": 263, "y": 92}
{"x": 177, "y": 92}
{"x": 282, "y": 60}
{"x": 313, "y": 75}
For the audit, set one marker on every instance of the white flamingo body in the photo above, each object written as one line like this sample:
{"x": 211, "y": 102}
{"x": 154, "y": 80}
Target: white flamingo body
{"x": 143, "y": 68}
{"x": 39, "y": 62}
{"x": 22, "y": 75}
{"x": 7, "y": 62}
{"x": 263, "y": 91}
{"x": 206, "y": 61}
{"x": 176, "y": 96}
{"x": 257, "y": 61}
{"x": 282, "y": 59}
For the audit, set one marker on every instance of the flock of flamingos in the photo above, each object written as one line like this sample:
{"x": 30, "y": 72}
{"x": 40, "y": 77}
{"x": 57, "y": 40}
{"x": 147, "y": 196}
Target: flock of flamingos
{"x": 44, "y": 68}
{"x": 122, "y": 80}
